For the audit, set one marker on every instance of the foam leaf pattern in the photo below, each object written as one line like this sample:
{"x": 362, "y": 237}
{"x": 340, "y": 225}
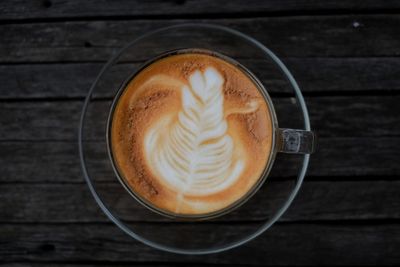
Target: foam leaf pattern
{"x": 192, "y": 150}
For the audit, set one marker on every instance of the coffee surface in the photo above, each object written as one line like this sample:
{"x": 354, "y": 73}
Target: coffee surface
{"x": 191, "y": 134}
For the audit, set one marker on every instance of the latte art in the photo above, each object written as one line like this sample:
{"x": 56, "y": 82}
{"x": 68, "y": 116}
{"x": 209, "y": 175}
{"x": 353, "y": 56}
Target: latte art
{"x": 194, "y": 152}
{"x": 191, "y": 134}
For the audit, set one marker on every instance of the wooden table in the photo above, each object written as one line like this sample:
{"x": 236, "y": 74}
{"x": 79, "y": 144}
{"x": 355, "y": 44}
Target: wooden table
{"x": 345, "y": 56}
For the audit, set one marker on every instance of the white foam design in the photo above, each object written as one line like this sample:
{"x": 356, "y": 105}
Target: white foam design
{"x": 193, "y": 152}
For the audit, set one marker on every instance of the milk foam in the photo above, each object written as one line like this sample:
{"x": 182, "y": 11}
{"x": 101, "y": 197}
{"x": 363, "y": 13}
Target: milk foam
{"x": 193, "y": 153}
{"x": 191, "y": 134}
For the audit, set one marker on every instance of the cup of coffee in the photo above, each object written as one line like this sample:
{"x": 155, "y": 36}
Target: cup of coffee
{"x": 190, "y": 128}
{"x": 193, "y": 134}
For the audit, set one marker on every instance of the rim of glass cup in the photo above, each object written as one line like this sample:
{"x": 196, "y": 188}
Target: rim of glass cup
{"x": 236, "y": 204}
{"x": 268, "y": 223}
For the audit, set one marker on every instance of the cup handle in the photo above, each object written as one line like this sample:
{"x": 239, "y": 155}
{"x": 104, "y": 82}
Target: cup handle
{"x": 295, "y": 141}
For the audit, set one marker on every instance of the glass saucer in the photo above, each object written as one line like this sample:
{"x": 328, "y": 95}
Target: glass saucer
{"x": 198, "y": 237}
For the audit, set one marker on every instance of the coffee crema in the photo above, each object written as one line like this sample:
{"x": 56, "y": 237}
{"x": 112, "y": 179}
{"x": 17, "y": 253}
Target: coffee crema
{"x": 191, "y": 134}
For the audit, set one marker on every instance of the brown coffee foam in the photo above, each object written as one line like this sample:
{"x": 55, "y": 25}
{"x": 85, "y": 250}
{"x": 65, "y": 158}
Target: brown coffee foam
{"x": 147, "y": 98}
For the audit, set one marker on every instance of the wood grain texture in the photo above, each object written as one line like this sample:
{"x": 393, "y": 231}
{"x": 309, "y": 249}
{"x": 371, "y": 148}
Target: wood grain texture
{"x": 317, "y": 201}
{"x": 340, "y": 158}
{"x": 345, "y": 56}
{"x": 46, "y": 120}
{"x": 324, "y": 75}
{"x": 24, "y": 9}
{"x": 322, "y": 245}
{"x": 316, "y": 36}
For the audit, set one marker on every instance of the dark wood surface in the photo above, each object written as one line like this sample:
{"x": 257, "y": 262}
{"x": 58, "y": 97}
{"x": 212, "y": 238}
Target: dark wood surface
{"x": 345, "y": 56}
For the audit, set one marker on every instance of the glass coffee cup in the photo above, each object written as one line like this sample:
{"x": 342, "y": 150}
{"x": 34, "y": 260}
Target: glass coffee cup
{"x": 284, "y": 140}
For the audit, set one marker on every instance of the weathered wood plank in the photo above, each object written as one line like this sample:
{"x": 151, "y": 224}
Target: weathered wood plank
{"x": 46, "y": 120}
{"x": 73, "y": 203}
{"x": 350, "y": 35}
{"x": 313, "y": 75}
{"x": 341, "y": 158}
{"x": 283, "y": 244}
{"x": 76, "y": 9}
